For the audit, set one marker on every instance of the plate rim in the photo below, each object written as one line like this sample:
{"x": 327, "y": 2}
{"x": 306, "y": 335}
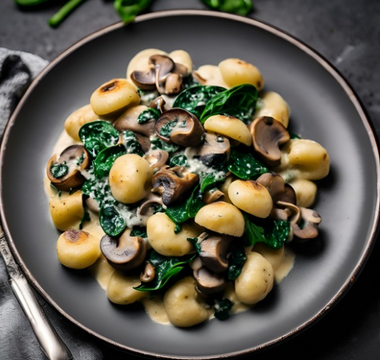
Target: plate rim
{"x": 308, "y": 50}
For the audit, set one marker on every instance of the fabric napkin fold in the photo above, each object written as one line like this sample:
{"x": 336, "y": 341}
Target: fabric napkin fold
{"x": 17, "y": 340}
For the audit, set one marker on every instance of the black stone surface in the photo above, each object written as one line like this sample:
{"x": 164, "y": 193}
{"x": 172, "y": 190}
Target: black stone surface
{"x": 345, "y": 32}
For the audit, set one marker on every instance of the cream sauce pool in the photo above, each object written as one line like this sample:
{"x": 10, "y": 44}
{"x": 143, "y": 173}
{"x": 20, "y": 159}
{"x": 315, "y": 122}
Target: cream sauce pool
{"x": 154, "y": 307}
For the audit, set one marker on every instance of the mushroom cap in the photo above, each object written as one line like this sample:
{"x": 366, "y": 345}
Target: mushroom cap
{"x": 307, "y": 227}
{"x": 221, "y": 217}
{"x": 149, "y": 273}
{"x": 157, "y": 158}
{"x": 213, "y": 252}
{"x": 277, "y": 188}
{"x": 215, "y": 149}
{"x": 169, "y": 183}
{"x": 207, "y": 282}
{"x": 229, "y": 126}
{"x": 128, "y": 121}
{"x": 212, "y": 195}
{"x": 146, "y": 209}
{"x": 124, "y": 254}
{"x": 68, "y": 166}
{"x": 180, "y": 127}
{"x": 267, "y": 136}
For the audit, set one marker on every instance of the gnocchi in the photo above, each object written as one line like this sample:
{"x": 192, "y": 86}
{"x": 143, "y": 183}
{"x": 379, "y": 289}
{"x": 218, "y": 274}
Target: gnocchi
{"x": 182, "y": 184}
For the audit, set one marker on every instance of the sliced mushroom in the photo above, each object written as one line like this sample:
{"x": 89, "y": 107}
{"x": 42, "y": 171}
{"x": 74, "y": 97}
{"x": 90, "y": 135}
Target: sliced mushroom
{"x": 213, "y": 252}
{"x": 92, "y": 204}
{"x": 64, "y": 171}
{"x": 215, "y": 149}
{"x": 277, "y": 188}
{"x": 287, "y": 211}
{"x": 171, "y": 185}
{"x": 159, "y": 104}
{"x": 148, "y": 207}
{"x": 173, "y": 84}
{"x": 157, "y": 159}
{"x": 180, "y": 127}
{"x": 149, "y": 273}
{"x": 307, "y": 226}
{"x": 267, "y": 136}
{"x": 124, "y": 254}
{"x": 128, "y": 121}
{"x": 212, "y": 196}
{"x": 209, "y": 283}
{"x": 163, "y": 65}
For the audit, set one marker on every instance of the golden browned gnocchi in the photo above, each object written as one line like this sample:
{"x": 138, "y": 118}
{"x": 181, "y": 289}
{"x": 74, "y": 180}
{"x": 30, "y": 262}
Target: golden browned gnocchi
{"x": 181, "y": 184}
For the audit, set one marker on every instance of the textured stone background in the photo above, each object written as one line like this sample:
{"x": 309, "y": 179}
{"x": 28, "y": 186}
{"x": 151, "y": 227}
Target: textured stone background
{"x": 345, "y": 32}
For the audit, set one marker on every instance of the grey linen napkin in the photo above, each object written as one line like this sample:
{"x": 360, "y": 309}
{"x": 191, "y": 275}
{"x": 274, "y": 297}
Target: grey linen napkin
{"x": 17, "y": 340}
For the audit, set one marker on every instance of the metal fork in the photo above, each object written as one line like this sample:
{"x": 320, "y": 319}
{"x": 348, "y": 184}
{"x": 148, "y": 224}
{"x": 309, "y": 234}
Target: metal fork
{"x": 51, "y": 344}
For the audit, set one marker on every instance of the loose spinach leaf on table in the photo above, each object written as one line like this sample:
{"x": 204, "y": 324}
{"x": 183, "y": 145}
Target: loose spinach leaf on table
{"x": 239, "y": 101}
{"x": 98, "y": 135}
{"x": 129, "y": 9}
{"x": 245, "y": 166}
{"x": 166, "y": 268}
{"x": 222, "y": 309}
{"x": 236, "y": 261}
{"x": 274, "y": 234}
{"x": 239, "y": 7}
{"x": 105, "y": 159}
{"x": 111, "y": 221}
{"x": 187, "y": 209}
{"x": 195, "y": 98}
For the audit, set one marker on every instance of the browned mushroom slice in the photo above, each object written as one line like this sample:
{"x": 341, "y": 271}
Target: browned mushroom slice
{"x": 145, "y": 80}
{"x": 157, "y": 159}
{"x": 124, "y": 254}
{"x": 267, "y": 136}
{"x": 209, "y": 283}
{"x": 173, "y": 84}
{"x": 163, "y": 66}
{"x": 277, "y": 188}
{"x": 213, "y": 252}
{"x": 212, "y": 196}
{"x": 307, "y": 226}
{"x": 158, "y": 103}
{"x": 128, "y": 121}
{"x": 215, "y": 149}
{"x": 180, "y": 127}
{"x": 170, "y": 183}
{"x": 64, "y": 171}
{"x": 148, "y": 274}
{"x": 286, "y": 211}
{"x": 148, "y": 207}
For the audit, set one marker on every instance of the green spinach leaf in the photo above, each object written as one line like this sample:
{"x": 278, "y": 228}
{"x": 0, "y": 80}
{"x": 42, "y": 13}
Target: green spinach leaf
{"x": 239, "y": 101}
{"x": 195, "y": 98}
{"x": 170, "y": 148}
{"x": 274, "y": 235}
{"x": 111, "y": 221}
{"x": 131, "y": 144}
{"x": 245, "y": 166}
{"x": 59, "y": 170}
{"x": 187, "y": 209}
{"x": 179, "y": 160}
{"x": 236, "y": 261}
{"x": 222, "y": 309}
{"x": 98, "y": 135}
{"x": 139, "y": 231}
{"x": 147, "y": 115}
{"x": 239, "y": 7}
{"x": 105, "y": 159}
{"x": 129, "y": 9}
{"x": 166, "y": 268}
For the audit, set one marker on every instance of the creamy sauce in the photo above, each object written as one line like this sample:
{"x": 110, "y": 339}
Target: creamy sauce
{"x": 154, "y": 307}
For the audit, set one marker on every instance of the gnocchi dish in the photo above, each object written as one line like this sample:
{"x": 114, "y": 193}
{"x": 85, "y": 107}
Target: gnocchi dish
{"x": 182, "y": 188}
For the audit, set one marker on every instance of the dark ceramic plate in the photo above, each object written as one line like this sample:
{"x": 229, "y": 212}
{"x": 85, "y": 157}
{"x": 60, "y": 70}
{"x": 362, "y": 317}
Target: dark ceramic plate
{"x": 324, "y": 109}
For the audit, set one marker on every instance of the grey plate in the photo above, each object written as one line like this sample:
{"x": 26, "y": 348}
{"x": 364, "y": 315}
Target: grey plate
{"x": 324, "y": 109}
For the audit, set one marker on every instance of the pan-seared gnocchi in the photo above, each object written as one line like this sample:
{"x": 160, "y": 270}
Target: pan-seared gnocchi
{"x": 178, "y": 184}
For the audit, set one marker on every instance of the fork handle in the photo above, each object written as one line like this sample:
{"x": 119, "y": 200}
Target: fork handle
{"x": 52, "y": 345}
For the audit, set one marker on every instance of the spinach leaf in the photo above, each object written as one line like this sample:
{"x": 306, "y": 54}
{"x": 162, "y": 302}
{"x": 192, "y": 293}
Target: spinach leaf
{"x": 239, "y": 7}
{"x": 222, "y": 308}
{"x": 98, "y": 135}
{"x": 85, "y": 217}
{"x": 211, "y": 179}
{"x": 197, "y": 245}
{"x": 128, "y": 9}
{"x": 236, "y": 261}
{"x": 239, "y": 101}
{"x": 147, "y": 115}
{"x": 158, "y": 143}
{"x": 245, "y": 166}
{"x": 195, "y": 98}
{"x": 166, "y": 268}
{"x": 59, "y": 170}
{"x": 294, "y": 135}
{"x": 167, "y": 129}
{"x": 111, "y": 221}
{"x": 186, "y": 210}
{"x": 178, "y": 160}
{"x": 105, "y": 159}
{"x": 131, "y": 144}
{"x": 98, "y": 189}
{"x": 274, "y": 235}
{"x": 139, "y": 231}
